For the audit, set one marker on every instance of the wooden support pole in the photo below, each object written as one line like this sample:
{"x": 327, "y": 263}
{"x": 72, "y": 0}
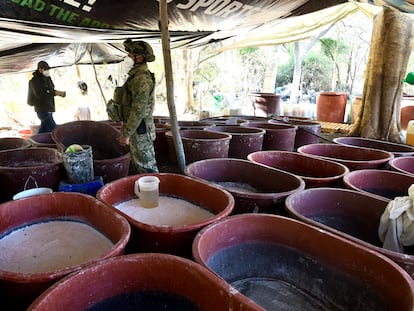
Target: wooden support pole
{"x": 166, "y": 49}
{"x": 96, "y": 74}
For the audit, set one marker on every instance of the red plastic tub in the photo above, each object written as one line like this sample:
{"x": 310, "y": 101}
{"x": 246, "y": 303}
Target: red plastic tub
{"x": 172, "y": 239}
{"x": 19, "y": 289}
{"x": 282, "y": 263}
{"x": 316, "y": 172}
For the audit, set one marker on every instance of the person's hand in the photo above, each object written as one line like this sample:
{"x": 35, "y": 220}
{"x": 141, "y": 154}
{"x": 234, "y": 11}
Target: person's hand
{"x": 123, "y": 140}
{"x": 60, "y": 93}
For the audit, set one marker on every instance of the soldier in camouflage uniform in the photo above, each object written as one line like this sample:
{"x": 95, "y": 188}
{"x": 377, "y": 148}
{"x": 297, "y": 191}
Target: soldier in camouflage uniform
{"x": 138, "y": 129}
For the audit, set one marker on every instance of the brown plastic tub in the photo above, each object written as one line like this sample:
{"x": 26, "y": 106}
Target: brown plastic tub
{"x": 265, "y": 104}
{"x": 18, "y": 290}
{"x": 160, "y": 143}
{"x": 43, "y": 140}
{"x": 350, "y": 214}
{"x": 331, "y": 106}
{"x": 316, "y": 172}
{"x": 402, "y": 164}
{"x": 29, "y": 168}
{"x": 287, "y": 118}
{"x": 255, "y": 188}
{"x": 110, "y": 159}
{"x": 244, "y": 140}
{"x": 399, "y": 150}
{"x": 284, "y": 264}
{"x": 143, "y": 282}
{"x": 355, "y": 158}
{"x": 9, "y": 143}
{"x": 308, "y": 132}
{"x": 172, "y": 239}
{"x": 277, "y": 136}
{"x": 192, "y": 125}
{"x": 226, "y": 120}
{"x": 199, "y": 145}
{"x": 383, "y": 183}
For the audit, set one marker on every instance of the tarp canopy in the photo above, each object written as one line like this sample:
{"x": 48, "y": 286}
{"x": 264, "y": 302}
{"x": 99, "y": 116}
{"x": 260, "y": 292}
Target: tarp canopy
{"x": 66, "y": 32}
{"x": 300, "y": 27}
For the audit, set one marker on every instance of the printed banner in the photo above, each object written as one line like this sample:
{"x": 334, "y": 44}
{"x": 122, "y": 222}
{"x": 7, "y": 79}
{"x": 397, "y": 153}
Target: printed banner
{"x": 184, "y": 15}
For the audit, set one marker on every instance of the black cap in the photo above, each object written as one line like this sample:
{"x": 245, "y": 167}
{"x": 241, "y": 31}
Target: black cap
{"x": 43, "y": 65}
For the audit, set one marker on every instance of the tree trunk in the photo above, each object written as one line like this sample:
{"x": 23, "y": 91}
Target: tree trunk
{"x": 269, "y": 80}
{"x": 185, "y": 85}
{"x": 386, "y": 68}
{"x": 297, "y": 74}
{"x": 300, "y": 53}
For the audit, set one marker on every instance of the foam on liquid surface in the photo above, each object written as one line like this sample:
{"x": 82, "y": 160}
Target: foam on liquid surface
{"x": 169, "y": 212}
{"x": 51, "y": 246}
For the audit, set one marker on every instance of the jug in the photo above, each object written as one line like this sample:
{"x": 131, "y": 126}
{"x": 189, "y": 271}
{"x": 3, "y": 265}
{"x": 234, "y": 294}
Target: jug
{"x": 146, "y": 189}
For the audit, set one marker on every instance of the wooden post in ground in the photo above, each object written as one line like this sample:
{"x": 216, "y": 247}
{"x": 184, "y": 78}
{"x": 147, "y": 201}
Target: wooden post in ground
{"x": 166, "y": 51}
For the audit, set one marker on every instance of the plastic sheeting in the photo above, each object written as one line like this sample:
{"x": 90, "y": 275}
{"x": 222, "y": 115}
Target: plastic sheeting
{"x": 62, "y": 31}
{"x": 300, "y": 28}
{"x": 184, "y": 15}
{"x": 25, "y": 58}
{"x": 66, "y": 32}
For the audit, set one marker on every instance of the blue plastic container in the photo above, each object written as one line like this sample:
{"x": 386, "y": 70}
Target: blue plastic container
{"x": 90, "y": 188}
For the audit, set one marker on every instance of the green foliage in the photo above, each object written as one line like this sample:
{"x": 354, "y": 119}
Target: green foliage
{"x": 246, "y": 52}
{"x": 254, "y": 62}
{"x": 315, "y": 72}
{"x": 222, "y": 79}
{"x": 333, "y": 48}
{"x": 207, "y": 71}
{"x": 285, "y": 73}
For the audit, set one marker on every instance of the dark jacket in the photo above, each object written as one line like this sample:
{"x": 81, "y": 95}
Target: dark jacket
{"x": 41, "y": 93}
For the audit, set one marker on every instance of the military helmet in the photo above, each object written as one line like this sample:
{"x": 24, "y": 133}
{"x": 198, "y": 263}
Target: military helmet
{"x": 140, "y": 48}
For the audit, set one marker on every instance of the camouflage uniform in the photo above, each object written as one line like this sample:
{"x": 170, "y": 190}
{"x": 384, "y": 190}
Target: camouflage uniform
{"x": 139, "y": 125}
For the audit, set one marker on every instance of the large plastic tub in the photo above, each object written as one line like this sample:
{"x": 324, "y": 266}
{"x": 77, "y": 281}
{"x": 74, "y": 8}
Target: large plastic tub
{"x": 255, "y": 188}
{"x": 316, "y": 172}
{"x": 21, "y": 169}
{"x": 143, "y": 282}
{"x": 20, "y": 288}
{"x": 355, "y": 158}
{"x": 168, "y": 238}
{"x": 285, "y": 264}
{"x": 199, "y": 145}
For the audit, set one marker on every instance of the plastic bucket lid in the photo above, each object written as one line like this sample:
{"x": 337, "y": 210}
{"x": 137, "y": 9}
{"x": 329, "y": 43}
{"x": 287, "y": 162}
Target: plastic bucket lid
{"x": 31, "y": 192}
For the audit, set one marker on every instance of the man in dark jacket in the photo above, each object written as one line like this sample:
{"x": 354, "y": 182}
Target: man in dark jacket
{"x": 41, "y": 96}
